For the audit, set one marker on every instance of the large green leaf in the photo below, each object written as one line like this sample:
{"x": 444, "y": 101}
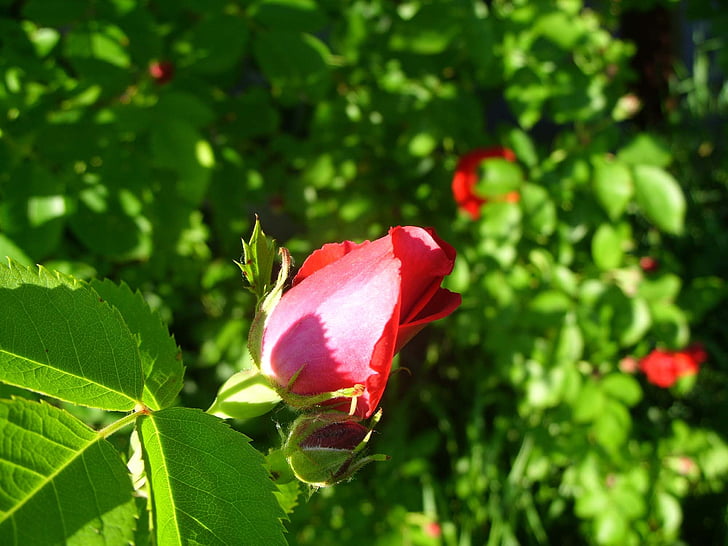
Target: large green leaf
{"x": 613, "y": 186}
{"x": 208, "y": 485}
{"x": 161, "y": 358}
{"x": 660, "y": 198}
{"x": 59, "y": 338}
{"x": 60, "y": 482}
{"x": 606, "y": 247}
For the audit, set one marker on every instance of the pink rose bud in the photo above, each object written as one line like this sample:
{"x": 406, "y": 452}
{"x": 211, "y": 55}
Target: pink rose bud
{"x": 326, "y": 448}
{"x": 351, "y": 308}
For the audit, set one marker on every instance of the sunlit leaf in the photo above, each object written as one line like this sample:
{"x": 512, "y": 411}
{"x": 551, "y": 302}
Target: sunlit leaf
{"x": 208, "y": 484}
{"x": 60, "y": 482}
{"x": 59, "y": 338}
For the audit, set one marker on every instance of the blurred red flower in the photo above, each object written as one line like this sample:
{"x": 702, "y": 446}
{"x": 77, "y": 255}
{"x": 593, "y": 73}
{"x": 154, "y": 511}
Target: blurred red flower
{"x": 649, "y": 264}
{"x": 351, "y": 308}
{"x": 664, "y": 368}
{"x": 466, "y": 177}
{"x": 161, "y": 71}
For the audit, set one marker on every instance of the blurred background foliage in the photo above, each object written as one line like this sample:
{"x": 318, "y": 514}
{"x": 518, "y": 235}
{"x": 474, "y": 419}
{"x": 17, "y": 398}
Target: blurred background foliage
{"x": 138, "y": 138}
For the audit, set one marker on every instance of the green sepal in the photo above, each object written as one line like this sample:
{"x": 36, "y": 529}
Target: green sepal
{"x": 245, "y": 395}
{"x": 258, "y": 257}
{"x": 324, "y": 449}
{"x": 265, "y": 307}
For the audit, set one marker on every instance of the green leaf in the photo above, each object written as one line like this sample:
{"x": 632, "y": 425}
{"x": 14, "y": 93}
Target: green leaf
{"x": 632, "y": 319}
{"x": 208, "y": 485}
{"x": 646, "y": 149}
{"x": 622, "y": 387}
{"x": 560, "y": 28}
{"x": 607, "y": 247}
{"x": 665, "y": 288}
{"x": 669, "y": 512}
{"x": 613, "y": 186}
{"x": 523, "y": 146}
{"x": 612, "y": 426}
{"x": 539, "y": 211}
{"x": 670, "y": 325}
{"x": 60, "y": 482}
{"x": 161, "y": 358}
{"x": 59, "y": 338}
{"x": 660, "y": 197}
{"x": 294, "y": 15}
{"x": 217, "y": 43}
{"x": 428, "y": 32}
{"x": 292, "y": 61}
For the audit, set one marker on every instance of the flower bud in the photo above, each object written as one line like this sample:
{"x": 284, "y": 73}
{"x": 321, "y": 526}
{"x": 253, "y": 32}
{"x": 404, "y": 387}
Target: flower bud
{"x": 245, "y": 395}
{"x": 324, "y": 449}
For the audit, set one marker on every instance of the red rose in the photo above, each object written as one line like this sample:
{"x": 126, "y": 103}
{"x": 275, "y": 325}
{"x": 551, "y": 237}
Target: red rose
{"x": 161, "y": 71}
{"x": 466, "y": 177}
{"x": 664, "y": 368}
{"x": 648, "y": 264}
{"x": 351, "y": 308}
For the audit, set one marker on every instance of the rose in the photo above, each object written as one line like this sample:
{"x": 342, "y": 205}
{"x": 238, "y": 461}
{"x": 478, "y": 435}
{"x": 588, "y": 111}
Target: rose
{"x": 664, "y": 368}
{"x": 351, "y": 308}
{"x": 466, "y": 178}
{"x": 161, "y": 71}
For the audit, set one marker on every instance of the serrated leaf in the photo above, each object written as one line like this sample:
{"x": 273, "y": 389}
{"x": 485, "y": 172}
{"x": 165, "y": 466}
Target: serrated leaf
{"x": 208, "y": 485}
{"x": 660, "y": 197}
{"x": 613, "y": 186}
{"x": 59, "y": 338}
{"x": 160, "y": 356}
{"x": 60, "y": 482}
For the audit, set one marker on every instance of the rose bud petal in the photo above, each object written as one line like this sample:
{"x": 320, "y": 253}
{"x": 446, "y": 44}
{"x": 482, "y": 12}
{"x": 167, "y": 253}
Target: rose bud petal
{"x": 351, "y": 308}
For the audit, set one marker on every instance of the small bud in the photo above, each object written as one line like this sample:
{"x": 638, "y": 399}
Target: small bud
{"x": 324, "y": 449}
{"x": 245, "y": 395}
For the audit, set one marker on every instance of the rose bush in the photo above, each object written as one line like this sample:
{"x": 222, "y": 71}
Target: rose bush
{"x": 351, "y": 308}
{"x": 466, "y": 178}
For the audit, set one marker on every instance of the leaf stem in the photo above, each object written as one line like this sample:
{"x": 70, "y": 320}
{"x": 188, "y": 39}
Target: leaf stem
{"x": 124, "y": 421}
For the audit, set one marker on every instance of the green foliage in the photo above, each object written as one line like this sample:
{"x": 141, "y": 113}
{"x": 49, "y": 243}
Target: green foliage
{"x": 207, "y": 482}
{"x": 99, "y": 345}
{"x": 61, "y": 339}
{"x": 55, "y": 465}
{"x": 520, "y": 419}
